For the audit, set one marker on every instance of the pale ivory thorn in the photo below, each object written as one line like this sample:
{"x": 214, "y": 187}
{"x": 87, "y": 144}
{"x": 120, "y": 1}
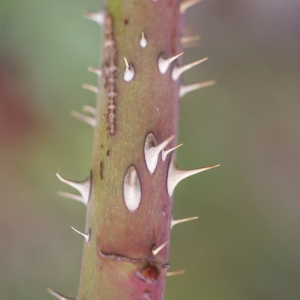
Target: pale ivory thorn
{"x": 186, "y": 4}
{"x": 132, "y": 189}
{"x": 175, "y": 175}
{"x": 164, "y": 63}
{"x": 143, "y": 41}
{"x": 58, "y": 295}
{"x": 98, "y": 17}
{"x": 82, "y": 187}
{"x": 165, "y": 153}
{"x": 155, "y": 251}
{"x": 174, "y": 273}
{"x": 73, "y": 197}
{"x": 175, "y": 222}
{"x": 189, "y": 39}
{"x": 89, "y": 109}
{"x": 184, "y": 89}
{"x": 84, "y": 118}
{"x": 95, "y": 70}
{"x": 177, "y": 71}
{"x": 129, "y": 71}
{"x": 91, "y": 88}
{"x": 87, "y": 235}
{"x": 152, "y": 150}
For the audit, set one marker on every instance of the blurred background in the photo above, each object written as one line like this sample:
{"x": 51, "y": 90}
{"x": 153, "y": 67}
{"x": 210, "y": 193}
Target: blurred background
{"x": 245, "y": 245}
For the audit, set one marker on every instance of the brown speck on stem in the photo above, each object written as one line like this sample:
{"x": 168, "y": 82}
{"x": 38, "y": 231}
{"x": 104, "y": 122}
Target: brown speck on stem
{"x": 101, "y": 170}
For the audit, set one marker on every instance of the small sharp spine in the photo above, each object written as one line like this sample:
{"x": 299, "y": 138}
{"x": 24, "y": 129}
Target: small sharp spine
{"x": 73, "y": 197}
{"x": 166, "y": 152}
{"x": 155, "y": 251}
{"x": 58, "y": 295}
{"x": 164, "y": 63}
{"x": 184, "y": 89}
{"x": 81, "y": 117}
{"x": 91, "y": 88}
{"x": 95, "y": 70}
{"x": 175, "y": 222}
{"x": 89, "y": 109}
{"x": 82, "y": 187}
{"x": 87, "y": 235}
{"x": 143, "y": 41}
{"x": 98, "y": 17}
{"x": 152, "y": 150}
{"x": 128, "y": 72}
{"x": 186, "y": 4}
{"x": 177, "y": 71}
{"x": 175, "y": 273}
{"x": 175, "y": 175}
{"x": 188, "y": 41}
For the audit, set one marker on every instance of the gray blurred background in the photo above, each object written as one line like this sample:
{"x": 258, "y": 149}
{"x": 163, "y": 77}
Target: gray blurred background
{"x": 245, "y": 245}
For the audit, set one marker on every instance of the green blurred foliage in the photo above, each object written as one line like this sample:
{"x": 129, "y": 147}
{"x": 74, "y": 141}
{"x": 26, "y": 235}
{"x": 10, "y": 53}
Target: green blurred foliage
{"x": 245, "y": 244}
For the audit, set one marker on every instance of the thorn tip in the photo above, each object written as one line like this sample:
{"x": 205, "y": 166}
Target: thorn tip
{"x": 155, "y": 251}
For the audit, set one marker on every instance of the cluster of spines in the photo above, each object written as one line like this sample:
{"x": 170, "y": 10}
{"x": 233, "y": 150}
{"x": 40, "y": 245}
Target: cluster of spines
{"x": 152, "y": 150}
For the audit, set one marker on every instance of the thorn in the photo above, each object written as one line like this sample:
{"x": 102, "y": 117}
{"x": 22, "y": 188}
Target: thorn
{"x": 186, "y": 4}
{"x": 85, "y": 235}
{"x": 190, "y": 41}
{"x": 84, "y": 118}
{"x": 58, "y": 295}
{"x": 166, "y": 152}
{"x": 184, "y": 89}
{"x": 72, "y": 196}
{"x": 98, "y": 17}
{"x": 175, "y": 175}
{"x": 132, "y": 189}
{"x": 129, "y": 71}
{"x": 91, "y": 88}
{"x": 143, "y": 41}
{"x": 163, "y": 63}
{"x": 82, "y": 187}
{"x": 157, "y": 250}
{"x": 175, "y": 222}
{"x": 174, "y": 273}
{"x": 177, "y": 71}
{"x": 152, "y": 150}
{"x": 96, "y": 71}
{"x": 88, "y": 109}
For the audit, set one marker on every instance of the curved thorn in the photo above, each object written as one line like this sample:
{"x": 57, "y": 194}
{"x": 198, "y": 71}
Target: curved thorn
{"x": 143, "y": 41}
{"x": 84, "y": 118}
{"x": 175, "y": 222}
{"x": 91, "y": 88}
{"x": 95, "y": 70}
{"x": 184, "y": 89}
{"x": 174, "y": 273}
{"x": 157, "y": 250}
{"x": 98, "y": 17}
{"x": 177, "y": 71}
{"x": 82, "y": 187}
{"x": 163, "y": 63}
{"x": 186, "y": 4}
{"x": 89, "y": 109}
{"x": 72, "y": 196}
{"x": 175, "y": 175}
{"x": 166, "y": 152}
{"x": 152, "y": 150}
{"x": 58, "y": 295}
{"x": 129, "y": 71}
{"x": 85, "y": 235}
